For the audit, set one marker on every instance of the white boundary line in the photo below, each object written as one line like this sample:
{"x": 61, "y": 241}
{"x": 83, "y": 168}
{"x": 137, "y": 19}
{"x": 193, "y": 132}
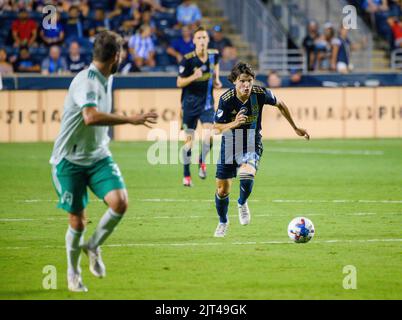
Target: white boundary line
{"x": 207, "y": 244}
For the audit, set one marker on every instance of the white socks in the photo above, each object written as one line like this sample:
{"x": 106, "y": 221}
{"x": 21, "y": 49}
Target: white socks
{"x": 74, "y": 241}
{"x": 104, "y": 229}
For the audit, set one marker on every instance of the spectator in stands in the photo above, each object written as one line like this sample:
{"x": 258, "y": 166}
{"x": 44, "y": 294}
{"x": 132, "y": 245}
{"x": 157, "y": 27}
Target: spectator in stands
{"x": 53, "y": 36}
{"x": 341, "y": 51}
{"x": 24, "y": 30}
{"x": 128, "y": 24}
{"x": 273, "y": 79}
{"x": 142, "y": 48}
{"x": 189, "y": 14}
{"x": 146, "y": 19}
{"x": 378, "y": 11}
{"x": 218, "y": 40}
{"x": 17, "y": 5}
{"x": 54, "y": 63}
{"x": 323, "y": 46}
{"x": 228, "y": 59}
{"x": 81, "y": 5}
{"x": 127, "y": 64}
{"x": 100, "y": 23}
{"x": 309, "y": 44}
{"x": 295, "y": 76}
{"x": 395, "y": 8}
{"x": 73, "y": 27}
{"x": 5, "y": 66}
{"x": 395, "y": 24}
{"x": 76, "y": 62}
{"x": 25, "y": 63}
{"x": 183, "y": 45}
{"x": 38, "y": 5}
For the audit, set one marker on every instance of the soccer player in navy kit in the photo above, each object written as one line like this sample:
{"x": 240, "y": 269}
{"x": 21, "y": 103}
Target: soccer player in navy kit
{"x": 198, "y": 75}
{"x": 238, "y": 118}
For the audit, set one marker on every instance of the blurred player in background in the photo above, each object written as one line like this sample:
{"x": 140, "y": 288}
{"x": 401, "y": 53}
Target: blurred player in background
{"x": 81, "y": 157}
{"x": 238, "y": 118}
{"x": 198, "y": 75}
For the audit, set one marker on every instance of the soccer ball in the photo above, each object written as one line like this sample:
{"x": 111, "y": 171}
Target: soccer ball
{"x": 301, "y": 230}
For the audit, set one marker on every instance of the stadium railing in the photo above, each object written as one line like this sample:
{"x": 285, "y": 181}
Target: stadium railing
{"x": 282, "y": 60}
{"x": 396, "y": 59}
{"x": 255, "y": 23}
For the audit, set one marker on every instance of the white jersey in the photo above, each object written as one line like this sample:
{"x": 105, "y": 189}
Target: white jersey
{"x": 77, "y": 142}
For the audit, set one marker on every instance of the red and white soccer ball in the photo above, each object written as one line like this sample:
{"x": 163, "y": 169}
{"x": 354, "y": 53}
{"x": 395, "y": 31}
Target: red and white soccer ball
{"x": 301, "y": 230}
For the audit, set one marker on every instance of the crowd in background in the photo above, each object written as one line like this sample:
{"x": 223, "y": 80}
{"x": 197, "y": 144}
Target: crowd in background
{"x": 385, "y": 17}
{"x": 157, "y": 34}
{"x": 329, "y": 50}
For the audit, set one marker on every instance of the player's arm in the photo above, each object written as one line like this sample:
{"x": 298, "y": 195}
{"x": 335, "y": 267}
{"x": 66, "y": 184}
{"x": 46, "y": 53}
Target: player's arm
{"x": 92, "y": 117}
{"x": 185, "y": 81}
{"x": 217, "y": 81}
{"x": 286, "y": 113}
{"x": 220, "y": 125}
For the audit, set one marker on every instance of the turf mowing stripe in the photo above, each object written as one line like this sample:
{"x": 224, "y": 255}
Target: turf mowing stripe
{"x": 218, "y": 243}
{"x": 251, "y": 200}
{"x": 204, "y": 216}
{"x": 328, "y": 151}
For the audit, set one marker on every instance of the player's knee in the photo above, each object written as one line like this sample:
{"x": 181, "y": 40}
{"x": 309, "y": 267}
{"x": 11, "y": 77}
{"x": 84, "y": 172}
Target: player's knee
{"x": 222, "y": 191}
{"x": 247, "y": 173}
{"x": 77, "y": 221}
{"x": 120, "y": 205}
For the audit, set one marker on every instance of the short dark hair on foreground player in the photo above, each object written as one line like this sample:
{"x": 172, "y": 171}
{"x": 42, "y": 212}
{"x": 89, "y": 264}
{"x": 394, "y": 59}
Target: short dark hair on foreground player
{"x": 240, "y": 68}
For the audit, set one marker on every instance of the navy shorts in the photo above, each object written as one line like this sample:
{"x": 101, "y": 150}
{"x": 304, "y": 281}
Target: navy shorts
{"x": 229, "y": 170}
{"x": 190, "y": 121}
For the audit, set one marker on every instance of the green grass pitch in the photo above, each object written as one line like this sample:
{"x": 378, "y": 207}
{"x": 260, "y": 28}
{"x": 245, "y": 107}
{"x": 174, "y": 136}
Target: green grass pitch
{"x": 164, "y": 248}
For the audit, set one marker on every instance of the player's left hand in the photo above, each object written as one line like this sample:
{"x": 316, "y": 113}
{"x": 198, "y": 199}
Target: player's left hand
{"x": 217, "y": 84}
{"x": 302, "y": 133}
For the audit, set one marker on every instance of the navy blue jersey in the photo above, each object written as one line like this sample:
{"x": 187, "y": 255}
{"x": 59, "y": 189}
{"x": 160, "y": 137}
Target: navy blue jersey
{"x": 198, "y": 95}
{"x": 246, "y": 138}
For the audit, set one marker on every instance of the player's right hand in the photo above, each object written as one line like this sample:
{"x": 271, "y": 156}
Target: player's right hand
{"x": 197, "y": 73}
{"x": 241, "y": 118}
{"x": 145, "y": 119}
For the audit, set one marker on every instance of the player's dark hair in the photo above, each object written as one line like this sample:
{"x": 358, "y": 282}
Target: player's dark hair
{"x": 107, "y": 44}
{"x": 239, "y": 69}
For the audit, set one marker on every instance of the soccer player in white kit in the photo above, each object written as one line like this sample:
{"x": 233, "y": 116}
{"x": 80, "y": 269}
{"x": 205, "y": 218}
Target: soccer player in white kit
{"x": 81, "y": 157}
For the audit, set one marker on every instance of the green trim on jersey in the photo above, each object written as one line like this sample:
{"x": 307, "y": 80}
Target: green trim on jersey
{"x": 87, "y": 105}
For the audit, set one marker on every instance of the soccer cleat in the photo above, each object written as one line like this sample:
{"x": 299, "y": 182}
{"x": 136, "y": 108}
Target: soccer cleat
{"x": 96, "y": 265}
{"x": 75, "y": 283}
{"x": 202, "y": 173}
{"x": 221, "y": 230}
{"x": 187, "y": 182}
{"x": 244, "y": 214}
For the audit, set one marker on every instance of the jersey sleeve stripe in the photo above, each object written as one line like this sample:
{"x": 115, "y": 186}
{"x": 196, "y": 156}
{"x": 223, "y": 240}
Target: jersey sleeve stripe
{"x": 88, "y": 105}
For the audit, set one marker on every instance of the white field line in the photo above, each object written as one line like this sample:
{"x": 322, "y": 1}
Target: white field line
{"x": 210, "y": 216}
{"x": 328, "y": 151}
{"x": 218, "y": 243}
{"x": 251, "y": 200}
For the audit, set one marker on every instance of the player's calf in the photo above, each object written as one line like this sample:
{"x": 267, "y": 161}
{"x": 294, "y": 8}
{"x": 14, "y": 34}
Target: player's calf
{"x": 246, "y": 175}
